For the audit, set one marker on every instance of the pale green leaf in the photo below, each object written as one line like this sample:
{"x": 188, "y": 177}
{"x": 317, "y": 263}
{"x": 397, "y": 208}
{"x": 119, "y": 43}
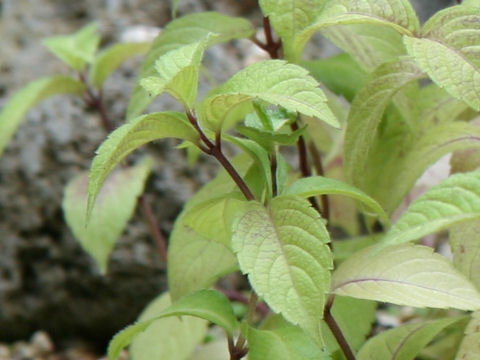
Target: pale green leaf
{"x": 446, "y": 344}
{"x": 173, "y": 338}
{"x": 447, "y": 67}
{"x": 405, "y": 274}
{"x": 15, "y": 109}
{"x": 129, "y": 137}
{"x": 465, "y": 245}
{"x": 274, "y": 81}
{"x": 182, "y": 31}
{"x": 289, "y": 18}
{"x": 367, "y": 110}
{"x": 283, "y": 249}
{"x": 216, "y": 349}
{"x": 319, "y": 185}
{"x": 115, "y": 205}
{"x": 471, "y": 3}
{"x": 454, "y": 200}
{"x": 344, "y": 248}
{"x": 404, "y": 342}
{"x": 470, "y": 346}
{"x": 177, "y": 72}
{"x": 77, "y": 49}
{"x": 110, "y": 59}
{"x": 398, "y": 15}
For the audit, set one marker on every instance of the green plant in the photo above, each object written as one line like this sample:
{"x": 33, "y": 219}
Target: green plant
{"x": 400, "y": 97}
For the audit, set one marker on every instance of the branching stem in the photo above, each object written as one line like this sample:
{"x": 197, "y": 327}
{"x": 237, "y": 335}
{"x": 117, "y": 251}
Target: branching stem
{"x": 271, "y": 46}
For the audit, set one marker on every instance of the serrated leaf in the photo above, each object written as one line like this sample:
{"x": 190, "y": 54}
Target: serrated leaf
{"x": 448, "y": 68}
{"x": 326, "y": 70}
{"x": 404, "y": 342}
{"x": 465, "y": 244}
{"x": 110, "y": 59}
{"x": 454, "y": 200}
{"x": 77, "y": 49}
{"x": 367, "y": 110}
{"x": 115, "y": 206}
{"x": 183, "y": 31}
{"x": 15, "y": 109}
{"x": 470, "y": 346}
{"x": 177, "y": 72}
{"x": 129, "y": 137}
{"x": 283, "y": 249}
{"x": 173, "y": 337}
{"x": 319, "y": 185}
{"x": 405, "y": 274}
{"x": 398, "y": 15}
{"x": 289, "y": 18}
{"x": 274, "y": 81}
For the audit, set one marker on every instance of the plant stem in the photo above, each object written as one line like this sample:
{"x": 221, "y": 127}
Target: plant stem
{"x": 234, "y": 295}
{"x": 317, "y": 162}
{"x": 154, "y": 228}
{"x": 273, "y": 170}
{"x": 271, "y": 46}
{"x": 336, "y": 331}
{"x": 252, "y": 306}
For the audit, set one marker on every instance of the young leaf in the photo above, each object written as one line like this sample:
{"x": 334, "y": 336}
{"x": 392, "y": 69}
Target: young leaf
{"x": 470, "y": 346}
{"x": 465, "y": 244}
{"x": 173, "y": 338}
{"x": 15, "y": 109}
{"x": 274, "y": 81}
{"x": 319, "y": 185}
{"x": 283, "y": 250}
{"x": 404, "y": 342}
{"x": 77, "y": 49}
{"x": 129, "y": 137}
{"x": 405, "y": 274}
{"x": 177, "y": 72}
{"x": 454, "y": 200}
{"x": 289, "y": 18}
{"x": 367, "y": 110}
{"x": 110, "y": 59}
{"x": 182, "y": 31}
{"x": 115, "y": 206}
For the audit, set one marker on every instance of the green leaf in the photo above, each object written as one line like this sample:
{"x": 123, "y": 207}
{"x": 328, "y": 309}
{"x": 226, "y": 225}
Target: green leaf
{"x": 454, "y": 200}
{"x": 319, "y": 185}
{"x": 283, "y": 249}
{"x": 183, "y": 31}
{"x": 367, "y": 110}
{"x": 404, "y": 342}
{"x": 77, "y": 49}
{"x": 174, "y": 5}
{"x": 15, "y": 109}
{"x": 268, "y": 139}
{"x": 405, "y": 274}
{"x": 285, "y": 342}
{"x": 173, "y": 337}
{"x": 470, "y": 346}
{"x": 447, "y": 67}
{"x": 177, "y": 72}
{"x": 465, "y": 245}
{"x": 110, "y": 59}
{"x": 398, "y": 15}
{"x": 116, "y": 202}
{"x": 274, "y": 81}
{"x": 343, "y": 249}
{"x": 326, "y": 71}
{"x": 129, "y": 137}
{"x": 289, "y": 18}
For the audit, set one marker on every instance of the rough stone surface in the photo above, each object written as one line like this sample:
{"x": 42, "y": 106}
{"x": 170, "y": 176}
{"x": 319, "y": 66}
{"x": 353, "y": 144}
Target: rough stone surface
{"x": 46, "y": 280}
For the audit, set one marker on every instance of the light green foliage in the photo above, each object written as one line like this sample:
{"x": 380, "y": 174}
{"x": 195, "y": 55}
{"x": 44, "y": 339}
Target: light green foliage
{"x": 454, "y": 200}
{"x": 129, "y": 137}
{"x": 342, "y": 249}
{"x": 283, "y": 84}
{"x": 405, "y": 274}
{"x": 367, "y": 110}
{"x": 470, "y": 346}
{"x": 110, "y": 59}
{"x": 115, "y": 206}
{"x": 283, "y": 249}
{"x": 319, "y": 185}
{"x": 404, "y": 342}
{"x": 289, "y": 18}
{"x": 465, "y": 244}
{"x": 77, "y": 49}
{"x": 174, "y": 4}
{"x": 15, "y": 109}
{"x": 177, "y": 72}
{"x": 180, "y": 32}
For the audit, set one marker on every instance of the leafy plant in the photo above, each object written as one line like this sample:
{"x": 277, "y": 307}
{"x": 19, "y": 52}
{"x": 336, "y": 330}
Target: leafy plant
{"x": 315, "y": 243}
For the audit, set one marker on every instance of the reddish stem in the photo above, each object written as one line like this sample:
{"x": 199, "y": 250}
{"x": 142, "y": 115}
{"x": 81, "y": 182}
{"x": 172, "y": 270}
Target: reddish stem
{"x": 336, "y": 331}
